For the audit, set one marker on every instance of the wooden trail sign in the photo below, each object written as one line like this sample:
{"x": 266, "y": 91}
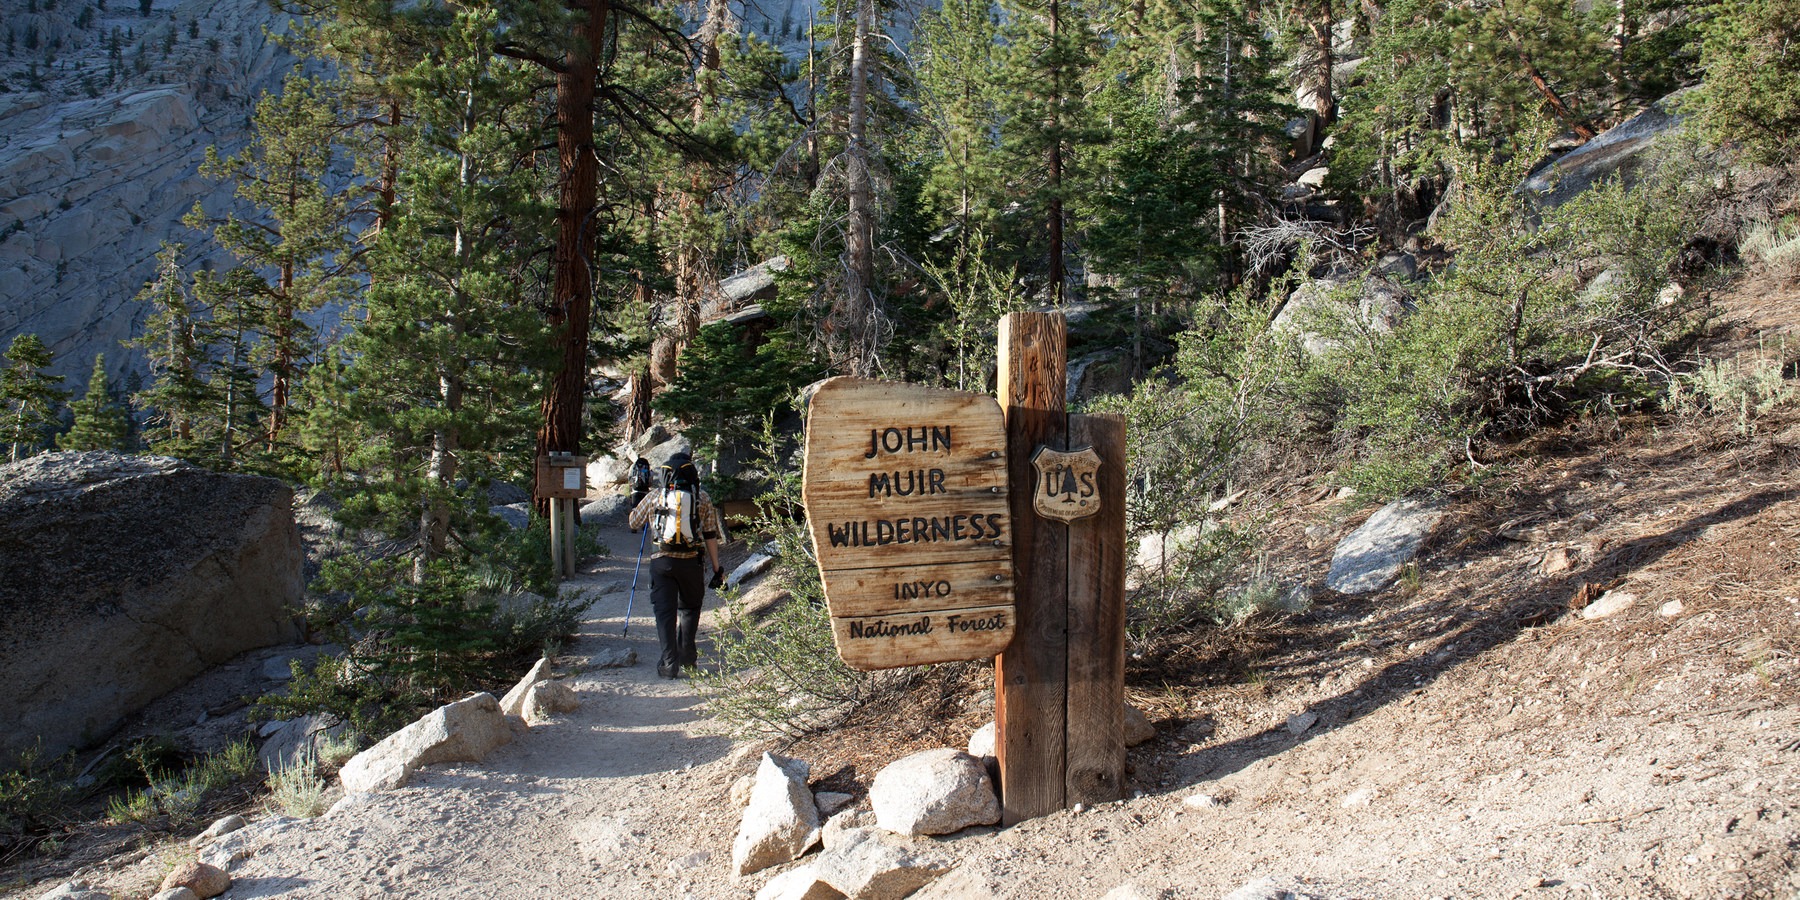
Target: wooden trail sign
{"x": 562, "y": 478}
{"x": 906, "y": 495}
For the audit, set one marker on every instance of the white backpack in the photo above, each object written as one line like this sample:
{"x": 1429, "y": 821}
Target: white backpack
{"x": 678, "y": 519}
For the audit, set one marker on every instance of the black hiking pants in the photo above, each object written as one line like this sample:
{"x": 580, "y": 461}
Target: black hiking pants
{"x": 677, "y": 591}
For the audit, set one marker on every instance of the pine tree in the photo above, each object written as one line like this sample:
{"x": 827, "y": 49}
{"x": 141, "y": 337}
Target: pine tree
{"x": 299, "y": 233}
{"x": 439, "y": 375}
{"x": 29, "y": 396}
{"x": 1048, "y": 47}
{"x": 956, "y": 67}
{"x": 99, "y": 422}
{"x": 176, "y": 342}
{"x": 1752, "y": 90}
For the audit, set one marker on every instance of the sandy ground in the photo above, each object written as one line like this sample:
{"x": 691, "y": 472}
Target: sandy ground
{"x": 1553, "y": 760}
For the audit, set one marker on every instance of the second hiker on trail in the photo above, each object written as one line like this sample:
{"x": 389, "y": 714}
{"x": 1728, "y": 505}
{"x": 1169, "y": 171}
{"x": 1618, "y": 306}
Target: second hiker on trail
{"x": 682, "y": 522}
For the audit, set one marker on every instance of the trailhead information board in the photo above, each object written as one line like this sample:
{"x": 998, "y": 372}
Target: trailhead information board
{"x": 906, "y": 496}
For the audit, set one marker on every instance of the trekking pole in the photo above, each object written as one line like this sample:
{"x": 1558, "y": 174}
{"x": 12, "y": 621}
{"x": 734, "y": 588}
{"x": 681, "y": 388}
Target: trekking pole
{"x": 642, "y": 541}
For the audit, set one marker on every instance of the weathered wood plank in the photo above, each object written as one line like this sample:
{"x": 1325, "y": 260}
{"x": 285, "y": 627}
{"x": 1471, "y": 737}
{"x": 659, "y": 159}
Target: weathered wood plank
{"x": 1096, "y": 709}
{"x": 905, "y": 493}
{"x": 894, "y": 590}
{"x": 1031, "y": 676}
{"x": 883, "y": 642}
{"x": 901, "y": 474}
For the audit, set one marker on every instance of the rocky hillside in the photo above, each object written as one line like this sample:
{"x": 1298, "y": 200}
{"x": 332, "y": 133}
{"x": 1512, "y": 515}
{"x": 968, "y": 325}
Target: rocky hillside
{"x": 105, "y": 115}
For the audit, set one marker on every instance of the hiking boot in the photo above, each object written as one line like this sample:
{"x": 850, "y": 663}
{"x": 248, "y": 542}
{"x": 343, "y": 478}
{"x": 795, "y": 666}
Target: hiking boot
{"x": 669, "y": 671}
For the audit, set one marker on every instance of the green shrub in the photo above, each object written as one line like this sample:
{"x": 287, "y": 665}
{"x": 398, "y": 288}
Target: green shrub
{"x": 1740, "y": 390}
{"x": 778, "y": 671}
{"x": 1519, "y": 330}
{"x": 413, "y": 645}
{"x": 295, "y": 789}
{"x": 178, "y": 799}
{"x": 36, "y": 799}
{"x": 1191, "y": 434}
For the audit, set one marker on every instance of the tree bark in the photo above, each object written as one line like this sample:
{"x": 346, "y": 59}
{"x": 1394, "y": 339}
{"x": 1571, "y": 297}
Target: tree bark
{"x": 1054, "y": 162}
{"x": 854, "y": 308}
{"x": 572, "y": 291}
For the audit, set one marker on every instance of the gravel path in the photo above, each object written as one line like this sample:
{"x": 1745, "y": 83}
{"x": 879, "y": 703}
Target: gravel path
{"x": 625, "y": 797}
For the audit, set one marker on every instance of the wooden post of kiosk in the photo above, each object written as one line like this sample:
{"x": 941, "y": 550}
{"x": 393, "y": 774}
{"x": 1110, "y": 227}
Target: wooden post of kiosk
{"x": 1059, "y": 687}
{"x": 562, "y": 478}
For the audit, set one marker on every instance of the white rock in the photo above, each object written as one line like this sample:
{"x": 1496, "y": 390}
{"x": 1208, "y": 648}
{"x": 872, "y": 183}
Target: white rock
{"x": 981, "y": 743}
{"x": 1137, "y": 726}
{"x": 800, "y": 883}
{"x": 1370, "y": 557}
{"x": 513, "y": 704}
{"x": 863, "y": 867}
{"x": 547, "y": 699}
{"x": 1610, "y": 603}
{"x": 1199, "y": 801}
{"x": 933, "y": 792}
{"x": 176, "y": 893}
{"x": 839, "y": 827}
{"x": 780, "y": 823}
{"x": 1671, "y": 609}
{"x": 1314, "y": 178}
{"x": 1299, "y": 722}
{"x": 614, "y": 658}
{"x": 464, "y": 731}
{"x": 297, "y": 737}
{"x": 1359, "y": 798}
{"x": 749, "y": 568}
{"x": 217, "y": 829}
{"x": 75, "y": 890}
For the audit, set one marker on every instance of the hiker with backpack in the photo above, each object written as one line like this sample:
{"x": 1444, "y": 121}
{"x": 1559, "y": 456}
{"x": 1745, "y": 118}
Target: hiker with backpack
{"x": 682, "y": 522}
{"x": 641, "y": 483}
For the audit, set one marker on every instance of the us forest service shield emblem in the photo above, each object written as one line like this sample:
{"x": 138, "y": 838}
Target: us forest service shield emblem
{"x": 1067, "y": 485}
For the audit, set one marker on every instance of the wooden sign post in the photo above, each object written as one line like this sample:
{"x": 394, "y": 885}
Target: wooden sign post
{"x": 906, "y": 495}
{"x": 928, "y": 556}
{"x": 1059, "y": 689}
{"x": 562, "y": 477}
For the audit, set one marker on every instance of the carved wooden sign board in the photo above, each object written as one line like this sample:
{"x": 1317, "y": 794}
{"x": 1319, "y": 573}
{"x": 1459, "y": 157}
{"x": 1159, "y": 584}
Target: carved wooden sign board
{"x": 905, "y": 493}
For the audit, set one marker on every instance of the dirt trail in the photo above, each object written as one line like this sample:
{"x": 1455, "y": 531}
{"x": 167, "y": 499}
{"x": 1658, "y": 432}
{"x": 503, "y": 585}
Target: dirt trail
{"x": 612, "y": 800}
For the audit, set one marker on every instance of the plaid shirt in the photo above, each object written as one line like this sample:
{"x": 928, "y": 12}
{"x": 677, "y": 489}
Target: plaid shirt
{"x": 708, "y": 514}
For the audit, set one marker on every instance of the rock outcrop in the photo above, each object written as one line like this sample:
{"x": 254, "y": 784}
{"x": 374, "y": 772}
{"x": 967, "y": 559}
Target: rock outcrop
{"x": 464, "y": 731}
{"x": 781, "y": 821}
{"x": 122, "y": 577}
{"x": 1371, "y": 557}
{"x": 933, "y": 792}
{"x": 99, "y": 159}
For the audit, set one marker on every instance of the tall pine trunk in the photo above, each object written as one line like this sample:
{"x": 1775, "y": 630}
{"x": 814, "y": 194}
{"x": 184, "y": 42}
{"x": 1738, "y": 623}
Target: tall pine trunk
{"x": 692, "y": 276}
{"x": 1054, "y": 162}
{"x": 572, "y": 289}
{"x": 859, "y": 249}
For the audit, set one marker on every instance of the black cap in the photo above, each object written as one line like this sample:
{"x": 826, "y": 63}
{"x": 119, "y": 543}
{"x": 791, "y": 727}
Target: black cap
{"x": 681, "y": 458}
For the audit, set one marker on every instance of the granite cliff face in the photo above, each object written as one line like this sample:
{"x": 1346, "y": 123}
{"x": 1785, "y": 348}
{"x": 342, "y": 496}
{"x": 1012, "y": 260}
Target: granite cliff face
{"x": 105, "y": 117}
